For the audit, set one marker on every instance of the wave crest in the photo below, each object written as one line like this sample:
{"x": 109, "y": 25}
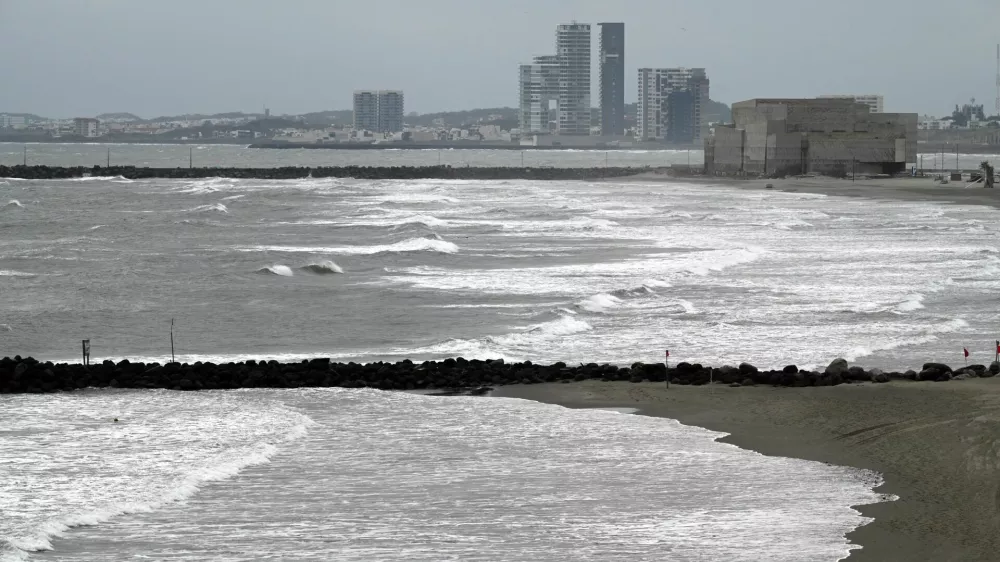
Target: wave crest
{"x": 324, "y": 267}
{"x": 278, "y": 269}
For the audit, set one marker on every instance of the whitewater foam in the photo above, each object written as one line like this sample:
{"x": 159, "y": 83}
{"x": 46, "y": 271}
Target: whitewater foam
{"x": 13, "y": 204}
{"x": 601, "y": 302}
{"x": 411, "y": 245}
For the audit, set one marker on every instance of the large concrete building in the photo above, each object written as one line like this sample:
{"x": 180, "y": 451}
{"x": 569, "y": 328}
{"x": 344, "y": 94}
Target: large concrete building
{"x": 612, "y": 78}
{"x": 875, "y": 102}
{"x": 833, "y": 136}
{"x": 573, "y": 50}
{"x": 671, "y": 104}
{"x": 390, "y": 111}
{"x": 379, "y": 111}
{"x": 564, "y": 78}
{"x": 539, "y": 86}
{"x": 86, "y": 127}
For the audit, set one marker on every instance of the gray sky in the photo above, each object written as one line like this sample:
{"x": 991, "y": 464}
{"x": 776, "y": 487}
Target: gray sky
{"x": 66, "y": 58}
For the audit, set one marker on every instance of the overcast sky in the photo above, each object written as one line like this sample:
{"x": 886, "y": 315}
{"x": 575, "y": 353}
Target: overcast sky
{"x": 65, "y": 58}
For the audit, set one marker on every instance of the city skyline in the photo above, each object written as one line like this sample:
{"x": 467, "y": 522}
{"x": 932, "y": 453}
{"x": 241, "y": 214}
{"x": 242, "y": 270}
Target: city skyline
{"x": 243, "y": 59}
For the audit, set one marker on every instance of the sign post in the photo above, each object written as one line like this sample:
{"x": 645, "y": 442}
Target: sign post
{"x": 666, "y": 364}
{"x": 86, "y": 352}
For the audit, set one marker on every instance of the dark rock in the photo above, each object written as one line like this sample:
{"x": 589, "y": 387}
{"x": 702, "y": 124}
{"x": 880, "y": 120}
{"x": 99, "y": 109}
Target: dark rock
{"x": 880, "y": 377}
{"x": 747, "y": 369}
{"x": 995, "y": 368}
{"x": 790, "y": 369}
{"x": 837, "y": 367}
{"x": 939, "y": 367}
{"x": 857, "y": 374}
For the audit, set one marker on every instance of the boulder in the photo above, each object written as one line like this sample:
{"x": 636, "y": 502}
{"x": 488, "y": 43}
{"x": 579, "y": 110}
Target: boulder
{"x": 857, "y": 374}
{"x": 880, "y": 377}
{"x": 747, "y": 369}
{"x": 20, "y": 369}
{"x": 961, "y": 377}
{"x": 994, "y": 368}
{"x": 837, "y": 367}
{"x": 910, "y": 375}
{"x": 940, "y": 367}
{"x": 747, "y": 382}
{"x": 790, "y": 369}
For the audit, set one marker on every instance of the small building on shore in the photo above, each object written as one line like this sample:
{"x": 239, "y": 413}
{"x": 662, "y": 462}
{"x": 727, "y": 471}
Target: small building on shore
{"x": 832, "y": 136}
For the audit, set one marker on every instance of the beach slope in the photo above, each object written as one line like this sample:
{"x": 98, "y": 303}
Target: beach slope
{"x": 938, "y": 445}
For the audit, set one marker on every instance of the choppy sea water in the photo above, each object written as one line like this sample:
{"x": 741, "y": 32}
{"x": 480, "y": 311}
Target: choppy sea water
{"x": 337, "y": 474}
{"x": 174, "y": 155}
{"x": 546, "y": 271}
{"x": 366, "y": 270}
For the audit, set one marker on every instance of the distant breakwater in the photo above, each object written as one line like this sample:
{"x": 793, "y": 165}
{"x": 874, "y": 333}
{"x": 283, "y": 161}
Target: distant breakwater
{"x": 28, "y": 375}
{"x": 296, "y": 172}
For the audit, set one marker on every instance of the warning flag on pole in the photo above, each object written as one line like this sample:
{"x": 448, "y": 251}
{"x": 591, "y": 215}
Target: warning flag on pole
{"x": 966, "y": 350}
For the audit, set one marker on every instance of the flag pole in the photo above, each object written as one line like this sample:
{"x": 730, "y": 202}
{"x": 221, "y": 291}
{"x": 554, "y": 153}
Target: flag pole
{"x": 172, "y": 341}
{"x": 666, "y": 365}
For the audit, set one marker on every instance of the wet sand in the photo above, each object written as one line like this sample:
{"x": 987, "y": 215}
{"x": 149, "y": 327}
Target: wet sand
{"x": 901, "y": 189}
{"x": 937, "y": 444}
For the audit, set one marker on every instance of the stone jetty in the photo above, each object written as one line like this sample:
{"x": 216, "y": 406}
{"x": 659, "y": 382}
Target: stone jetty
{"x": 297, "y": 172}
{"x": 27, "y": 375}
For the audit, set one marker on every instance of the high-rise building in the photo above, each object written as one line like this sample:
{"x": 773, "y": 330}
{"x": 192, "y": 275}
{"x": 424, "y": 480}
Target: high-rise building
{"x": 671, "y": 118}
{"x": 539, "y": 85}
{"x": 365, "y": 110}
{"x": 564, "y": 78}
{"x": 612, "y": 77}
{"x": 380, "y": 111}
{"x": 875, "y": 102}
{"x": 573, "y": 51}
{"x": 390, "y": 111}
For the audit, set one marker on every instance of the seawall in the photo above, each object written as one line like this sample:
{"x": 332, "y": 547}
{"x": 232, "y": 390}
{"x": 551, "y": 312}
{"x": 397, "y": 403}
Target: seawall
{"x": 297, "y": 172}
{"x": 28, "y": 375}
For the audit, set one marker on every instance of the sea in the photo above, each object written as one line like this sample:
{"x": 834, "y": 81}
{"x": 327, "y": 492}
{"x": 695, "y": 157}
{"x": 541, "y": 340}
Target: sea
{"x": 607, "y": 271}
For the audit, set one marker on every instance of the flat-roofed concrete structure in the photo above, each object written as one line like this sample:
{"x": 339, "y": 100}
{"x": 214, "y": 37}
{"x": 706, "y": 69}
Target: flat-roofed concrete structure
{"x": 832, "y": 136}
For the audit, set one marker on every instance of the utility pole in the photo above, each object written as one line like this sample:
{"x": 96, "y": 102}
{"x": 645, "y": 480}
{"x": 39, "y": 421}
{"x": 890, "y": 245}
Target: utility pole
{"x": 25, "y": 156}
{"x": 190, "y": 157}
{"x": 109, "y": 158}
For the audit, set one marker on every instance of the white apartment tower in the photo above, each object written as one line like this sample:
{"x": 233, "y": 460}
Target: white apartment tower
{"x": 875, "y": 102}
{"x": 564, "y": 78}
{"x": 390, "y": 111}
{"x": 539, "y": 85}
{"x": 380, "y": 111}
{"x": 573, "y": 53}
{"x": 671, "y": 104}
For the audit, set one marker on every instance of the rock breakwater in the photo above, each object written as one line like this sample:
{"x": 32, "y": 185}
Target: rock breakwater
{"x": 28, "y": 375}
{"x": 297, "y": 172}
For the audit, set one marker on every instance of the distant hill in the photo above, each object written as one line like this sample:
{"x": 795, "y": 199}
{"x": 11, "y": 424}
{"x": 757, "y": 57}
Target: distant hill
{"x": 328, "y": 117}
{"x": 29, "y": 117}
{"x": 119, "y": 117}
{"x": 504, "y": 117}
{"x": 202, "y": 117}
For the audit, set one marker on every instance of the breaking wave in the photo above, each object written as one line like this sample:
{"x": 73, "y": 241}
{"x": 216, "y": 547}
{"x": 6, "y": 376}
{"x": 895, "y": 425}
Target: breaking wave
{"x": 411, "y": 245}
{"x": 324, "y": 267}
{"x": 282, "y": 270}
{"x": 601, "y": 302}
{"x": 213, "y": 208}
{"x": 13, "y": 204}
{"x": 912, "y": 302}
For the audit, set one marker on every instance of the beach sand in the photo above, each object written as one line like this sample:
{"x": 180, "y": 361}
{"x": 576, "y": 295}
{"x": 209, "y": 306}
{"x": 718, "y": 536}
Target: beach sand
{"x": 900, "y": 189}
{"x": 937, "y": 444}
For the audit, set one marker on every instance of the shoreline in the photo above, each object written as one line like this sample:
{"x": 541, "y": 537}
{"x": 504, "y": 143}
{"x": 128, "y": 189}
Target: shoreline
{"x": 911, "y": 189}
{"x": 936, "y": 446}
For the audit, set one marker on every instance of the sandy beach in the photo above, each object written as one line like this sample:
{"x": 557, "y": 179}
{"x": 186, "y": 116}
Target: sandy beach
{"x": 937, "y": 444}
{"x": 902, "y": 189}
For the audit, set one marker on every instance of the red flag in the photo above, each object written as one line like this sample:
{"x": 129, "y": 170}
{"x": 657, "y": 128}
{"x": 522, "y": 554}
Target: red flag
{"x": 966, "y": 350}
{"x": 668, "y": 352}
